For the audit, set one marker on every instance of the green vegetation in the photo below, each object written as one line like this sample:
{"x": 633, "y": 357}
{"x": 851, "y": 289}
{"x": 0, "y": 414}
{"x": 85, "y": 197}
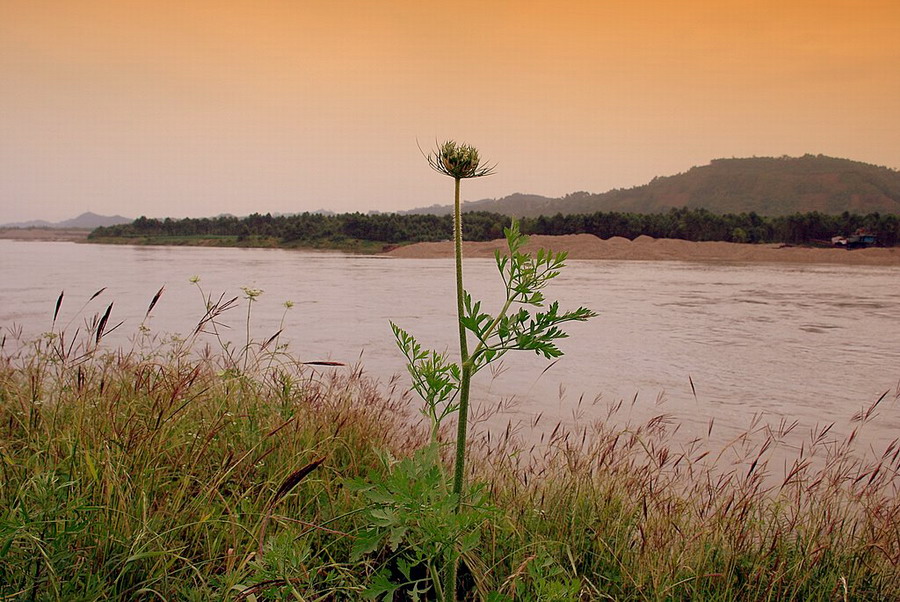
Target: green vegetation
{"x": 702, "y": 225}
{"x": 372, "y": 233}
{"x": 349, "y": 231}
{"x": 445, "y": 387}
{"x": 180, "y": 468}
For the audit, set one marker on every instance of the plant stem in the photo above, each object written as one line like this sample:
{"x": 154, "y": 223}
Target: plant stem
{"x": 465, "y": 378}
{"x": 247, "y": 345}
{"x": 465, "y": 366}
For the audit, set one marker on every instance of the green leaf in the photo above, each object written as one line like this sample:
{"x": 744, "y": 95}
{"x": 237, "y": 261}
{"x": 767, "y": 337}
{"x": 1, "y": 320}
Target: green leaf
{"x": 434, "y": 379}
{"x": 383, "y": 517}
{"x": 395, "y": 537}
{"x": 381, "y": 586}
{"x": 365, "y": 543}
{"x": 379, "y": 495}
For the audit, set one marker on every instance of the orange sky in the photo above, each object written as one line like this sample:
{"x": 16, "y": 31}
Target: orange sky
{"x": 199, "y": 108}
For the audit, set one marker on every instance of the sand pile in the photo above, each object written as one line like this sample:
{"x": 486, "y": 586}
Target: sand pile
{"x": 646, "y": 248}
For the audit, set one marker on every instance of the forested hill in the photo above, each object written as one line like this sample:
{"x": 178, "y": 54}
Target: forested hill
{"x": 764, "y": 185}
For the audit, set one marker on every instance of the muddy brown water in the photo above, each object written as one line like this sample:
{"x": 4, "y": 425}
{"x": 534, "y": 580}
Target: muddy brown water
{"x": 738, "y": 343}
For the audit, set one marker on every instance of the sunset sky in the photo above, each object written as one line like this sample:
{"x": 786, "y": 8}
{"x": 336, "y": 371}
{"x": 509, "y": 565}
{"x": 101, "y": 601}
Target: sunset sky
{"x": 197, "y": 108}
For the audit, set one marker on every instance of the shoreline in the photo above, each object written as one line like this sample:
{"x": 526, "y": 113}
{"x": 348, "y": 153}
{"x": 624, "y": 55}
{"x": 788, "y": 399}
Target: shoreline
{"x": 45, "y": 234}
{"x": 646, "y": 248}
{"x": 579, "y": 247}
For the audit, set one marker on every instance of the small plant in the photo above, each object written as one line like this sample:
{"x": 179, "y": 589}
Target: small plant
{"x": 413, "y": 521}
{"x": 445, "y": 385}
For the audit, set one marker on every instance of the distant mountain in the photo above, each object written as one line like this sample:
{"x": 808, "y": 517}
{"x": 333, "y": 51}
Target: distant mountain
{"x": 37, "y": 223}
{"x": 765, "y": 185}
{"x": 87, "y": 221}
{"x": 517, "y": 204}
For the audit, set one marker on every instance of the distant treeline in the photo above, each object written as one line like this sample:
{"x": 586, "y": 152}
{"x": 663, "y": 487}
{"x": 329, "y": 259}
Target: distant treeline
{"x": 391, "y": 228}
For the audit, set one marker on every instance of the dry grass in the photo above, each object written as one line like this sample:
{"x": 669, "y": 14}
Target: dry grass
{"x": 636, "y": 516}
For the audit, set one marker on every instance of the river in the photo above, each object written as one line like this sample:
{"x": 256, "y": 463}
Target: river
{"x": 698, "y": 341}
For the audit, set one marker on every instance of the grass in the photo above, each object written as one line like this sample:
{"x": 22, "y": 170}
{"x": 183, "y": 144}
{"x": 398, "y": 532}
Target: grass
{"x": 350, "y": 245}
{"x": 173, "y": 469}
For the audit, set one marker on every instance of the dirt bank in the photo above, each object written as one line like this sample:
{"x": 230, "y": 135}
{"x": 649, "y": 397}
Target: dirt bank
{"x": 45, "y": 234}
{"x": 646, "y": 248}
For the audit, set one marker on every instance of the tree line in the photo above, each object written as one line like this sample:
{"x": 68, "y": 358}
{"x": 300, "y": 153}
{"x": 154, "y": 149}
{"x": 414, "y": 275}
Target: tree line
{"x": 393, "y": 228}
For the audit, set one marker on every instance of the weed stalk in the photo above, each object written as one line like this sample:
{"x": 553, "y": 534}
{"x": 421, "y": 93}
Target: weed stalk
{"x": 445, "y": 386}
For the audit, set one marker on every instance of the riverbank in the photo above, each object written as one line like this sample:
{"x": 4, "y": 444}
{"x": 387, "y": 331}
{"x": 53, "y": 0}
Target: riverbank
{"x": 345, "y": 245}
{"x": 46, "y": 234}
{"x": 646, "y": 248}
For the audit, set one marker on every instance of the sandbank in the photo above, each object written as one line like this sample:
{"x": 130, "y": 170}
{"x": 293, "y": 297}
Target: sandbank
{"x": 646, "y": 248}
{"x": 46, "y": 234}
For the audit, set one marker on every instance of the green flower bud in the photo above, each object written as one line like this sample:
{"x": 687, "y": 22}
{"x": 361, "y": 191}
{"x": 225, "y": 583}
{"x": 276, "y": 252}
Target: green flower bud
{"x": 458, "y": 161}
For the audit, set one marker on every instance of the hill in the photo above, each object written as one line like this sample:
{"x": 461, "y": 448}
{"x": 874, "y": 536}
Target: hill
{"x": 86, "y": 221}
{"x": 764, "y": 185}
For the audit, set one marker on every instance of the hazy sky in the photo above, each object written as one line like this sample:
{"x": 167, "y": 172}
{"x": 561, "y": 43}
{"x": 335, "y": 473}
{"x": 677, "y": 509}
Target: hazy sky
{"x": 195, "y": 108}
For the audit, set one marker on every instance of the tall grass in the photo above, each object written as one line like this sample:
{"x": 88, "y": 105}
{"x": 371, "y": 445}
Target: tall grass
{"x": 175, "y": 469}
{"x": 171, "y": 469}
{"x": 636, "y": 516}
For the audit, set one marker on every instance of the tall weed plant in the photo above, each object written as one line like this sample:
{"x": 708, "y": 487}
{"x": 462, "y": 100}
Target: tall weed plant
{"x": 524, "y": 322}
